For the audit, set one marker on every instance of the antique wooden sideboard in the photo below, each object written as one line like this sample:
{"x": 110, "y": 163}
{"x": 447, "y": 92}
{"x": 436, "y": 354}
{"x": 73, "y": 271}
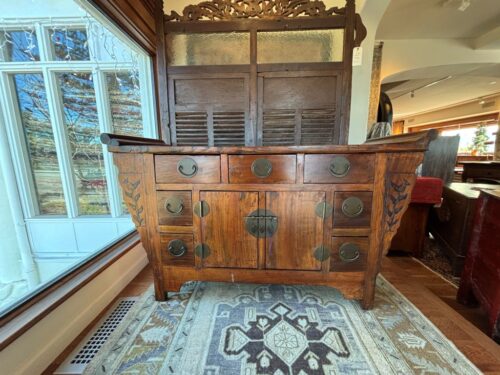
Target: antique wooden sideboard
{"x": 293, "y": 215}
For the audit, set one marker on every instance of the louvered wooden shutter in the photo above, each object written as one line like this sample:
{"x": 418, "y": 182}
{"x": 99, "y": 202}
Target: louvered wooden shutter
{"x": 209, "y": 110}
{"x": 298, "y": 109}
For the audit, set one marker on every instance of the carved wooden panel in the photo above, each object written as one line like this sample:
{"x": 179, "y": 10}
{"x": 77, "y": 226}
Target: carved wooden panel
{"x": 235, "y": 9}
{"x": 132, "y": 185}
{"x": 399, "y": 182}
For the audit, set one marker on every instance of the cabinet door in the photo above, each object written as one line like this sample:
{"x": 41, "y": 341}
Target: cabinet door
{"x": 223, "y": 229}
{"x": 299, "y": 231}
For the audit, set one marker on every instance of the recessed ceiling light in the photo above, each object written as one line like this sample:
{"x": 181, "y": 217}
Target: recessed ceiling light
{"x": 493, "y": 82}
{"x": 482, "y": 102}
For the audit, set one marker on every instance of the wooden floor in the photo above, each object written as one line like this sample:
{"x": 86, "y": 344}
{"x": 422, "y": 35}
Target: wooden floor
{"x": 430, "y": 293}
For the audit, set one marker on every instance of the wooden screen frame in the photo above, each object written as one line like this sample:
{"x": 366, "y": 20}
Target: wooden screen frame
{"x": 307, "y": 15}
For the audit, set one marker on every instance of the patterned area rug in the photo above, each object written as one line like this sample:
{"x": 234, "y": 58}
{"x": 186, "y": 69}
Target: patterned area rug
{"x": 216, "y": 328}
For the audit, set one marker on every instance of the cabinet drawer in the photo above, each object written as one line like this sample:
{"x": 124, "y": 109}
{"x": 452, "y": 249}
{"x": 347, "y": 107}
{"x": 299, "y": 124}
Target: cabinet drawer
{"x": 174, "y": 208}
{"x": 352, "y": 209}
{"x": 177, "y": 249}
{"x": 349, "y": 253}
{"x": 258, "y": 169}
{"x": 187, "y": 169}
{"x": 339, "y": 168}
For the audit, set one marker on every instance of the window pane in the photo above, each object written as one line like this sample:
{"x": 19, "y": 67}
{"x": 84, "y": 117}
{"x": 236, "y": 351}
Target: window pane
{"x": 125, "y": 101}
{"x": 208, "y": 49}
{"x": 300, "y": 46}
{"x": 80, "y": 118}
{"x": 19, "y": 45}
{"x": 33, "y": 108}
{"x": 70, "y": 45}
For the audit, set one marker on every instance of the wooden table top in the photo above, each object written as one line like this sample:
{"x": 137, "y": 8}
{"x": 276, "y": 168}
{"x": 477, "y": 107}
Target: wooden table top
{"x": 471, "y": 190}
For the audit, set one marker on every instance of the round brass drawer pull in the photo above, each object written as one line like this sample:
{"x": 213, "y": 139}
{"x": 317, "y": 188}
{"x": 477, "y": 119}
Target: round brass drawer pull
{"x": 352, "y": 207}
{"x": 174, "y": 205}
{"x": 349, "y": 252}
{"x": 262, "y": 168}
{"x": 187, "y": 167}
{"x": 340, "y": 166}
{"x": 177, "y": 248}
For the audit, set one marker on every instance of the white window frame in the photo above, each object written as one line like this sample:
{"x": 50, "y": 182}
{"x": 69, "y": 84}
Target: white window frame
{"x": 49, "y": 68}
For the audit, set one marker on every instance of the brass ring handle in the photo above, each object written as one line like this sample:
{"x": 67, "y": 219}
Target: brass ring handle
{"x": 261, "y": 168}
{"x": 168, "y": 207}
{"x": 339, "y": 166}
{"x": 349, "y": 252}
{"x": 194, "y": 171}
{"x": 187, "y": 167}
{"x": 352, "y": 207}
{"x": 177, "y": 248}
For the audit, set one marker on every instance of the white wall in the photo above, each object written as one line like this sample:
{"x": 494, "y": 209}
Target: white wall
{"x": 39, "y": 8}
{"x": 35, "y": 350}
{"x": 10, "y": 260}
{"x": 371, "y": 13}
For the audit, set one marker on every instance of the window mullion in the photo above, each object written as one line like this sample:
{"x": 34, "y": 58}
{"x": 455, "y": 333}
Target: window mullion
{"x": 146, "y": 86}
{"x": 18, "y": 149}
{"x": 43, "y": 42}
{"x": 63, "y": 148}
{"x": 105, "y": 125}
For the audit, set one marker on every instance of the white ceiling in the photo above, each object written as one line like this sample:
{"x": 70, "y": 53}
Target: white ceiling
{"x": 467, "y": 82}
{"x": 428, "y": 19}
{"x": 479, "y": 23}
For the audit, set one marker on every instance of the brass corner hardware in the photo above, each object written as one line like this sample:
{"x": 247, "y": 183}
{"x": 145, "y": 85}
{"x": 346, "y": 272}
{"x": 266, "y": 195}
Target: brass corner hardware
{"x": 202, "y": 251}
{"x": 322, "y": 253}
{"x": 323, "y": 210}
{"x": 201, "y": 209}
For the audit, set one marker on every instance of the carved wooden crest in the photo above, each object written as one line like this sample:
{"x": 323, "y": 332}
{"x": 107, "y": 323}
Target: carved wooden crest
{"x": 270, "y": 9}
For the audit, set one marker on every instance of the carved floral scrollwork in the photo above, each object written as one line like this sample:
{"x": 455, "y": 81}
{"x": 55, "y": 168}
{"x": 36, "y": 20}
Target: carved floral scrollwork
{"x": 231, "y": 9}
{"x": 397, "y": 197}
{"x": 133, "y": 199}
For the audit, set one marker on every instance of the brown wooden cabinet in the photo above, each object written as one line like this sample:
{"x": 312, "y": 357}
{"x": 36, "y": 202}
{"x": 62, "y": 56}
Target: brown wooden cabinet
{"x": 293, "y": 215}
{"x": 451, "y": 223}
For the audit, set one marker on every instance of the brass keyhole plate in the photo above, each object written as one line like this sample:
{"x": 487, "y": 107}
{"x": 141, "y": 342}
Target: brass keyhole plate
{"x": 261, "y": 223}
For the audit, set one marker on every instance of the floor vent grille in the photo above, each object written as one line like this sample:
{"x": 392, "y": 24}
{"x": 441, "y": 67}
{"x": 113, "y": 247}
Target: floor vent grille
{"x": 93, "y": 342}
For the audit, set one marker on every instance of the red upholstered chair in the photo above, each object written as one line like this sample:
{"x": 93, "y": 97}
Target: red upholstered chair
{"x": 411, "y": 234}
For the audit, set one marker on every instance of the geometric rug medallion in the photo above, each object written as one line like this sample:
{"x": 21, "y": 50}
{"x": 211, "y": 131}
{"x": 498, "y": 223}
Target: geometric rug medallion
{"x": 226, "y": 329}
